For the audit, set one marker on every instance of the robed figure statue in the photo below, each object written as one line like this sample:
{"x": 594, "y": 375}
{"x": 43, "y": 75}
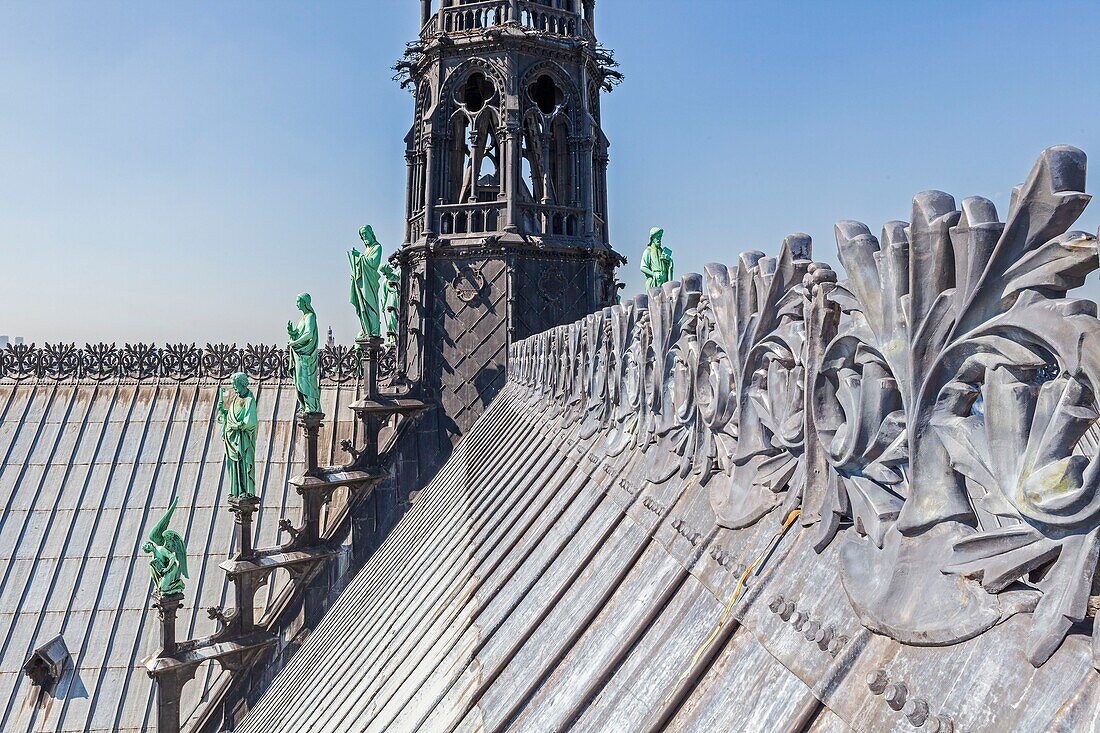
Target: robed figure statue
{"x": 391, "y": 284}
{"x": 364, "y": 282}
{"x": 303, "y": 350}
{"x": 656, "y": 260}
{"x": 237, "y": 416}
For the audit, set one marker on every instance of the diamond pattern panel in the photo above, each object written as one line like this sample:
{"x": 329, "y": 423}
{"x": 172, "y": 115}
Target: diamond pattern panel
{"x": 550, "y": 292}
{"x": 468, "y": 341}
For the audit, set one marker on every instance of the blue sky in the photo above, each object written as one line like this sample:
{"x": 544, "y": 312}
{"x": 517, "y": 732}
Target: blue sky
{"x": 180, "y": 171}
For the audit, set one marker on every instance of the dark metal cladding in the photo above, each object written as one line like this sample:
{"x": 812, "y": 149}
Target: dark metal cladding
{"x": 506, "y": 231}
{"x": 701, "y": 511}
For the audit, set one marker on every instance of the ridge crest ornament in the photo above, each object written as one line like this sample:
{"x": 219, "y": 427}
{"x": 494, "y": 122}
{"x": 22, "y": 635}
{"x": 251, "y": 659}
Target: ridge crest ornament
{"x": 959, "y": 462}
{"x": 933, "y": 411}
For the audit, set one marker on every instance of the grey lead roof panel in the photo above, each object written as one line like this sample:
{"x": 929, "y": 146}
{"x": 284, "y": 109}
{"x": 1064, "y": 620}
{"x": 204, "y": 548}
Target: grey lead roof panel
{"x": 538, "y": 584}
{"x": 85, "y": 469}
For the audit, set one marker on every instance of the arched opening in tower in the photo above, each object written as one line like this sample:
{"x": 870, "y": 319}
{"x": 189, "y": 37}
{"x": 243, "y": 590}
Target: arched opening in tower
{"x": 545, "y": 93}
{"x": 547, "y": 166}
{"x": 474, "y": 170}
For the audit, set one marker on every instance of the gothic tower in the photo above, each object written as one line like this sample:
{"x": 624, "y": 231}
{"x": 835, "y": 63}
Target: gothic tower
{"x": 506, "y": 217}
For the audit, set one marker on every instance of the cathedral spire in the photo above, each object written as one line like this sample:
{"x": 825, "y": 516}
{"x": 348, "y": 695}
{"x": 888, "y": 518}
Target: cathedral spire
{"x": 506, "y": 217}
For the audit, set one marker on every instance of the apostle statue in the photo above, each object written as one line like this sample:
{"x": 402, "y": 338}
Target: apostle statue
{"x": 656, "y": 260}
{"x": 303, "y": 349}
{"x": 391, "y": 285}
{"x": 364, "y": 282}
{"x": 168, "y": 564}
{"x": 237, "y": 416}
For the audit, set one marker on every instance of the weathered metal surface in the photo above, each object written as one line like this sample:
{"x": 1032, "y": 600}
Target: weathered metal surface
{"x": 84, "y": 468}
{"x": 642, "y": 687}
{"x": 746, "y": 689}
{"x": 435, "y": 527}
{"x": 637, "y": 602}
{"x": 735, "y": 552}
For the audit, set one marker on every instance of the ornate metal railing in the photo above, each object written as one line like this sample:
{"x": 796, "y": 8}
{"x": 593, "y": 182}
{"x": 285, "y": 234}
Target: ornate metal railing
{"x": 431, "y": 27}
{"x": 551, "y": 20}
{"x": 475, "y": 17}
{"x": 470, "y": 218}
{"x": 175, "y": 362}
{"x": 566, "y": 221}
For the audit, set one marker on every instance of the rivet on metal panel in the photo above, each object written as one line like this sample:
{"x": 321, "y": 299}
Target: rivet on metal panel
{"x": 776, "y": 604}
{"x": 877, "y": 681}
{"x": 916, "y": 711}
{"x": 939, "y": 724}
{"x": 786, "y": 610}
{"x": 799, "y": 619}
{"x": 720, "y": 556}
{"x": 824, "y": 637}
{"x": 837, "y": 644}
{"x": 810, "y": 630}
{"x": 895, "y": 695}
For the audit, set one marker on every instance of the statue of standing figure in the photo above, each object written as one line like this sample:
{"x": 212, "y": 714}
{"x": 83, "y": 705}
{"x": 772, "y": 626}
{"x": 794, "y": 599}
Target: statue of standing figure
{"x": 168, "y": 564}
{"x": 364, "y": 282}
{"x": 303, "y": 350}
{"x": 656, "y": 260}
{"x": 237, "y": 416}
{"x": 391, "y": 285}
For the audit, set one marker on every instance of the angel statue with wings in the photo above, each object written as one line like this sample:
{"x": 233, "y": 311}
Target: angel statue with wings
{"x": 169, "y": 556}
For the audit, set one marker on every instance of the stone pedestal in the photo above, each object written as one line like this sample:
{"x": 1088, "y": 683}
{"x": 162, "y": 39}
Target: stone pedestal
{"x": 310, "y": 423}
{"x": 369, "y": 351}
{"x": 167, "y": 607}
{"x": 243, "y": 620}
{"x": 243, "y": 509}
{"x": 168, "y": 685}
{"x": 373, "y": 409}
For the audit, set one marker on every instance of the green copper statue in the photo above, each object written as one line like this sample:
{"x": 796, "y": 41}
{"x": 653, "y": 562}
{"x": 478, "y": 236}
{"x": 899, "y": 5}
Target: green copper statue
{"x": 364, "y": 282}
{"x": 391, "y": 285}
{"x": 656, "y": 260}
{"x": 238, "y": 421}
{"x": 303, "y": 356}
{"x": 168, "y": 564}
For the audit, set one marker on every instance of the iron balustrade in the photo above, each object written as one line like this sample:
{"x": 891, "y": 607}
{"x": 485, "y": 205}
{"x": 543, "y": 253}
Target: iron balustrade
{"x": 470, "y": 218}
{"x": 549, "y": 219}
{"x": 475, "y": 17}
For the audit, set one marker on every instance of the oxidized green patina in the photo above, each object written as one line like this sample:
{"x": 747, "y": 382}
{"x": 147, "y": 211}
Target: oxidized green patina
{"x": 364, "y": 282}
{"x": 168, "y": 563}
{"x": 656, "y": 260}
{"x": 303, "y": 350}
{"x": 238, "y": 421}
{"x": 391, "y": 285}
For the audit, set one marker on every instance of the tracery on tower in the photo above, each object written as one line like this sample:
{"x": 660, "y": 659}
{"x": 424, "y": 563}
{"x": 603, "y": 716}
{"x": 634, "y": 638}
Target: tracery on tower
{"x": 507, "y": 136}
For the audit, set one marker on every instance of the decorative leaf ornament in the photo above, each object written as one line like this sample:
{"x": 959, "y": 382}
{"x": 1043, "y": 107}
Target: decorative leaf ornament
{"x": 956, "y": 403}
{"x": 751, "y": 382}
{"x": 933, "y": 415}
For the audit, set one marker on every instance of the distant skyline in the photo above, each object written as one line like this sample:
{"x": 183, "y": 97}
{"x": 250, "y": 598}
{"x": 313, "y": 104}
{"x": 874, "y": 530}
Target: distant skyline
{"x": 177, "y": 173}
